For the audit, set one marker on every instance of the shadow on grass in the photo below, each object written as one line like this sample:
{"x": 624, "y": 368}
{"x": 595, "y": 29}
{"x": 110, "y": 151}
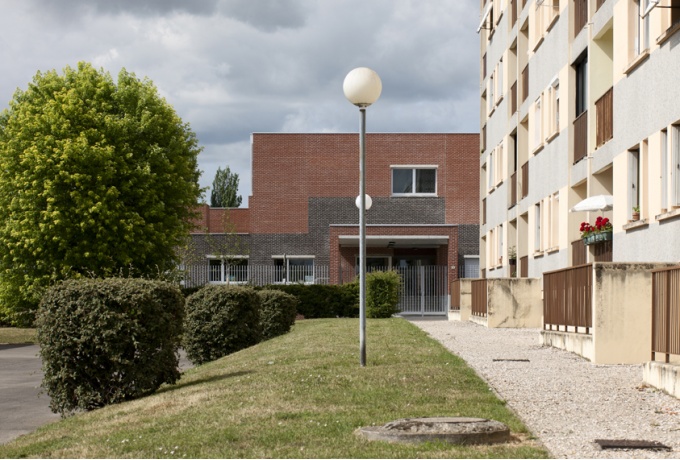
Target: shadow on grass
{"x": 214, "y": 378}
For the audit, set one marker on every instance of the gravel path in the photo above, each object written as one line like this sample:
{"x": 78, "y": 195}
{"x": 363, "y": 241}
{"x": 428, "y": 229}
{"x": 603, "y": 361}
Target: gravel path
{"x": 565, "y": 400}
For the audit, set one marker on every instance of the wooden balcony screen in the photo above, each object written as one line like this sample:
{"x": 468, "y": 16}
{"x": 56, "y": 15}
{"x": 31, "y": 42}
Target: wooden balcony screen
{"x": 581, "y": 137}
{"x": 524, "y": 267}
{"x": 604, "y": 251}
{"x": 484, "y": 211}
{"x": 525, "y": 180}
{"x": 513, "y": 12}
{"x": 605, "y": 117}
{"x": 525, "y": 83}
{"x": 513, "y": 190}
{"x": 513, "y": 98}
{"x": 580, "y": 15}
{"x": 578, "y": 252}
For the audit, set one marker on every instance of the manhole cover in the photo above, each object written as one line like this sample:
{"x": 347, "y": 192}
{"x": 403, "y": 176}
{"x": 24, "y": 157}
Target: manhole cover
{"x": 455, "y": 430}
{"x": 630, "y": 444}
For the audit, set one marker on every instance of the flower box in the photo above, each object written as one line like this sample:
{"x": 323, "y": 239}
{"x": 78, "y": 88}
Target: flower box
{"x": 595, "y": 238}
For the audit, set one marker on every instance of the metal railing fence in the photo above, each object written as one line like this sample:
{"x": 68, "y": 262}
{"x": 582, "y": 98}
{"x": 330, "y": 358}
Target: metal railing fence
{"x": 258, "y": 275}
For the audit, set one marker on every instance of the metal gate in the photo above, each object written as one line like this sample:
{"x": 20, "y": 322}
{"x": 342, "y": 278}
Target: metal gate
{"x": 424, "y": 290}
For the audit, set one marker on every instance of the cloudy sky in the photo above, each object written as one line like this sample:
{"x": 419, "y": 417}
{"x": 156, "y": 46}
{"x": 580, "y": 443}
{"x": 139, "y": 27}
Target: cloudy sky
{"x": 234, "y": 67}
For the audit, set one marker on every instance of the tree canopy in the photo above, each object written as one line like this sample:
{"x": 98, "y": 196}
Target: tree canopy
{"x": 225, "y": 189}
{"x": 96, "y": 178}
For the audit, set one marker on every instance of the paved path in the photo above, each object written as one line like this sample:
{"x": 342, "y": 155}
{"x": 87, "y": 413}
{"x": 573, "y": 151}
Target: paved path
{"x": 565, "y": 400}
{"x": 22, "y": 407}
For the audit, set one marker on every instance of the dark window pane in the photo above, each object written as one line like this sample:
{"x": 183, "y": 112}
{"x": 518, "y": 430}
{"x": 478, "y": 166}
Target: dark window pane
{"x": 426, "y": 180}
{"x": 402, "y": 181}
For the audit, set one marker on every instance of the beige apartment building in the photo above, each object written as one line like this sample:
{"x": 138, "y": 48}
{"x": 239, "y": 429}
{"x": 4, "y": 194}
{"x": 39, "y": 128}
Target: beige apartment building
{"x": 579, "y": 98}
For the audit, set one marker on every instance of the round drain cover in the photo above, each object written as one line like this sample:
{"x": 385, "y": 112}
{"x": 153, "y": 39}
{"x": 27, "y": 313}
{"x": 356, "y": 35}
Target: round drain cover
{"x": 455, "y": 430}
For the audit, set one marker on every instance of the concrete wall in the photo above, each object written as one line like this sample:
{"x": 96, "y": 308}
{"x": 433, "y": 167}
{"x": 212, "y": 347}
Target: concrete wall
{"x": 663, "y": 376}
{"x": 465, "y": 302}
{"x": 514, "y": 302}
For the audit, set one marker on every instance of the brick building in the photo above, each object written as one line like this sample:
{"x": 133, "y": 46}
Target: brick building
{"x": 302, "y": 221}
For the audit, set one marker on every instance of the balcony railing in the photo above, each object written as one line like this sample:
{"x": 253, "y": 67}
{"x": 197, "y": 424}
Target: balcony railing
{"x": 484, "y": 211}
{"x": 605, "y": 117}
{"x": 478, "y": 298}
{"x": 567, "y": 299}
{"x": 580, "y": 15}
{"x": 513, "y": 98}
{"x": 666, "y": 312}
{"x": 578, "y": 252}
{"x": 524, "y": 267}
{"x": 513, "y": 190}
{"x": 604, "y": 251}
{"x": 525, "y": 180}
{"x": 581, "y": 137}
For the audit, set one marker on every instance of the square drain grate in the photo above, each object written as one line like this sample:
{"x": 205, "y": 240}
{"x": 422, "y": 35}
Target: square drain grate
{"x": 630, "y": 444}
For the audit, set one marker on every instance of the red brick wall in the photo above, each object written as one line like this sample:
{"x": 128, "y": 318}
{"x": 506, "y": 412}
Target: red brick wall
{"x": 290, "y": 168}
{"x": 215, "y": 220}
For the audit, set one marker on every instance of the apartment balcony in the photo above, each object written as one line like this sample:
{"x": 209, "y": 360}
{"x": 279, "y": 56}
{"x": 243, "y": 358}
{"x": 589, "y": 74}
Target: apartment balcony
{"x": 525, "y": 180}
{"x": 580, "y": 15}
{"x": 513, "y": 98}
{"x": 513, "y": 190}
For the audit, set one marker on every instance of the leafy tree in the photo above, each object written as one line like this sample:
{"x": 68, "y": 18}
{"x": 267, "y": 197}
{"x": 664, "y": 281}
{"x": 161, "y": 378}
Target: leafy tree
{"x": 224, "y": 189}
{"x": 96, "y": 177}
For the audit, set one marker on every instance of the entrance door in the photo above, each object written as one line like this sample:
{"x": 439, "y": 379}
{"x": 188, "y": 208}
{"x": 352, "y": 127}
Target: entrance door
{"x": 424, "y": 285}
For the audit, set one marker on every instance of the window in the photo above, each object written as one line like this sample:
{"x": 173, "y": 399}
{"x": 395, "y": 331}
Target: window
{"x": 553, "y": 109}
{"x": 639, "y": 28}
{"x": 294, "y": 269}
{"x": 234, "y": 270}
{"x": 492, "y": 169}
{"x": 581, "y": 68}
{"x": 414, "y": 180}
{"x": 633, "y": 180}
{"x": 675, "y": 165}
{"x": 554, "y": 231}
{"x": 538, "y": 128}
{"x": 664, "y": 170}
{"x": 499, "y": 81}
{"x": 537, "y": 227}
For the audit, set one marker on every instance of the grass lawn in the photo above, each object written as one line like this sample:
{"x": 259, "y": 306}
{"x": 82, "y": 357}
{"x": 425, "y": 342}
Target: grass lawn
{"x": 17, "y": 335}
{"x": 301, "y": 395}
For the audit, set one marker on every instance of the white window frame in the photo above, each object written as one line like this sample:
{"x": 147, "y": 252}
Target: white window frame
{"x": 538, "y": 124}
{"x": 225, "y": 269}
{"x": 537, "y": 227}
{"x": 675, "y": 165}
{"x": 285, "y": 276}
{"x": 414, "y": 168}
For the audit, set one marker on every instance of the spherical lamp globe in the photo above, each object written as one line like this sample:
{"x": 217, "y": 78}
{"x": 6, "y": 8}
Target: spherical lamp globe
{"x": 362, "y": 86}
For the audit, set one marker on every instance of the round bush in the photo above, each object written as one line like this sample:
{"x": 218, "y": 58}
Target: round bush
{"x": 103, "y": 341}
{"x": 221, "y": 319}
{"x": 277, "y": 312}
{"x": 382, "y": 294}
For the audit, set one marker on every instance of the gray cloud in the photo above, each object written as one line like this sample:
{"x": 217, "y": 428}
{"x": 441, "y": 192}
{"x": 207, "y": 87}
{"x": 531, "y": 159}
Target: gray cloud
{"x": 233, "y": 67}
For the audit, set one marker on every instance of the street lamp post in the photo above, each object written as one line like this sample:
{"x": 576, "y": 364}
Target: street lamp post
{"x": 362, "y": 87}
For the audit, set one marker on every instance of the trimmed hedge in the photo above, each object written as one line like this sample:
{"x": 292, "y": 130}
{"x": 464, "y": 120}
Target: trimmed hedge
{"x": 221, "y": 319}
{"x": 104, "y": 341}
{"x": 382, "y": 294}
{"x": 324, "y": 300}
{"x": 277, "y": 312}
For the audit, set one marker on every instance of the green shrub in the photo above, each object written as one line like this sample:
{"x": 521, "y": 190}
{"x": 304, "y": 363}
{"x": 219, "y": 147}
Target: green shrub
{"x": 324, "y": 300}
{"x": 382, "y": 294}
{"x": 221, "y": 319}
{"x": 277, "y": 312}
{"x": 104, "y": 341}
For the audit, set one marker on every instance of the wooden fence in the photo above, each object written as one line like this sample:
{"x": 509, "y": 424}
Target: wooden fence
{"x": 666, "y": 312}
{"x": 567, "y": 298}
